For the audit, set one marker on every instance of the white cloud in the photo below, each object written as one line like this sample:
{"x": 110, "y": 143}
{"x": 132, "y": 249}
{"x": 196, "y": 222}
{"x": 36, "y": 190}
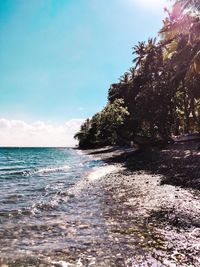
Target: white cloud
{"x": 4, "y": 124}
{"x": 20, "y": 133}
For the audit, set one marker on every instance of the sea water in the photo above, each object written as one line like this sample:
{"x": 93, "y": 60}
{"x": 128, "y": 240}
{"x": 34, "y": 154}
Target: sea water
{"x": 55, "y": 211}
{"x": 41, "y": 217}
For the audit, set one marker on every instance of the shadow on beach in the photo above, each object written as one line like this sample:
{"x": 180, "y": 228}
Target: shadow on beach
{"x": 178, "y": 164}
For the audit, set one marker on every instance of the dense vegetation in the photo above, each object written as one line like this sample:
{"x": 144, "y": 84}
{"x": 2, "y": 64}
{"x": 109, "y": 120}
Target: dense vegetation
{"x": 160, "y": 94}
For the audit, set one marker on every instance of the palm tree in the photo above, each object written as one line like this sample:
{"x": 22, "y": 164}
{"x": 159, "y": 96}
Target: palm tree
{"x": 189, "y": 4}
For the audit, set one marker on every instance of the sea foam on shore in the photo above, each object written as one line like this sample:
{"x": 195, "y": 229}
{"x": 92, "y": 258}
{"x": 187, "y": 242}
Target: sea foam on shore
{"x": 99, "y": 172}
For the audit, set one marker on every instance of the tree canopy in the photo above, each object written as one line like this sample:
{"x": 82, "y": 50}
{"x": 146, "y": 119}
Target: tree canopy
{"x": 105, "y": 127}
{"x": 160, "y": 94}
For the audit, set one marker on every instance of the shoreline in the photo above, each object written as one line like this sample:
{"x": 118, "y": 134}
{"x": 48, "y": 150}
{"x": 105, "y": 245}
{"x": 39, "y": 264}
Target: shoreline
{"x": 151, "y": 200}
{"x": 123, "y": 212}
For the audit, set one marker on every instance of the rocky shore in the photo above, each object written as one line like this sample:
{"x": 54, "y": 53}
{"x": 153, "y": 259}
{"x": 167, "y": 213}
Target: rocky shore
{"x": 134, "y": 209}
{"x": 152, "y": 205}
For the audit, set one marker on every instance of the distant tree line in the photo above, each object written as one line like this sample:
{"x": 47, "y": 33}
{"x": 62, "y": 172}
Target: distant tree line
{"x": 160, "y": 94}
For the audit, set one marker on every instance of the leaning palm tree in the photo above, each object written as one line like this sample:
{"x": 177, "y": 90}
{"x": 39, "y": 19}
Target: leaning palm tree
{"x": 189, "y": 4}
{"x": 181, "y": 30}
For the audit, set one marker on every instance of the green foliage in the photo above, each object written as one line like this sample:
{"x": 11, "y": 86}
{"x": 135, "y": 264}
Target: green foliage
{"x": 160, "y": 95}
{"x": 110, "y": 121}
{"x": 104, "y": 127}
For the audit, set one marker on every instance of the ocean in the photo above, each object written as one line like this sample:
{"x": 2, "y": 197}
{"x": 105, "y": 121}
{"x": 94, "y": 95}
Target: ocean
{"x": 56, "y": 211}
{"x": 46, "y": 213}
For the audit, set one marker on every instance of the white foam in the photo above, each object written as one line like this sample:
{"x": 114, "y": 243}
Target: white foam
{"x": 51, "y": 170}
{"x": 99, "y": 172}
{"x": 83, "y": 153}
{"x": 95, "y": 174}
{"x": 79, "y": 152}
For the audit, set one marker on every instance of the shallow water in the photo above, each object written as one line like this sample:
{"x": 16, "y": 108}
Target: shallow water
{"x": 41, "y": 209}
{"x": 57, "y": 211}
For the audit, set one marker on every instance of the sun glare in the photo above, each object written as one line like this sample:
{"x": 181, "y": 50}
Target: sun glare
{"x": 151, "y": 4}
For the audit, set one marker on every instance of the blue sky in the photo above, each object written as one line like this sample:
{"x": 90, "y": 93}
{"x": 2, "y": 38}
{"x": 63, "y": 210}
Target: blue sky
{"x": 59, "y": 57}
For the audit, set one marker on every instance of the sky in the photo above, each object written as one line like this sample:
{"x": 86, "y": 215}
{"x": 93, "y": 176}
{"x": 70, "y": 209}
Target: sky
{"x": 58, "y": 59}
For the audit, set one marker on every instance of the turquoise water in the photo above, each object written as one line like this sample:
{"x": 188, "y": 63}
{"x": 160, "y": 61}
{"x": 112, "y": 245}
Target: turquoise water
{"x": 39, "y": 208}
{"x": 52, "y": 214}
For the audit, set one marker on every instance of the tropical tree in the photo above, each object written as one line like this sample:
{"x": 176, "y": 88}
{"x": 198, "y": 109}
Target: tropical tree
{"x": 159, "y": 96}
{"x": 105, "y": 127}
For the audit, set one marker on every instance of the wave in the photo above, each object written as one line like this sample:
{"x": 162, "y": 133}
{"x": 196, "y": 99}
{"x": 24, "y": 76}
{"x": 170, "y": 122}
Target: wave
{"x": 99, "y": 172}
{"x": 25, "y": 172}
{"x": 4, "y": 169}
{"x": 52, "y": 170}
